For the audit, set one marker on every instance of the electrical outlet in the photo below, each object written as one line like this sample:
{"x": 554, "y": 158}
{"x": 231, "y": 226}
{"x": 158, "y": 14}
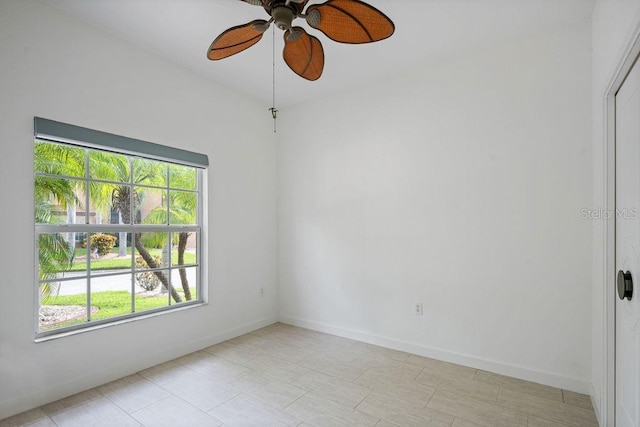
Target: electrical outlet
{"x": 261, "y": 292}
{"x": 418, "y": 308}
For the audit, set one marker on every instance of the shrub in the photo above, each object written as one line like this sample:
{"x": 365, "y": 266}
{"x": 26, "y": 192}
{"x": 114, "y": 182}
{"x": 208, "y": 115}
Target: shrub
{"x": 147, "y": 279}
{"x": 102, "y": 242}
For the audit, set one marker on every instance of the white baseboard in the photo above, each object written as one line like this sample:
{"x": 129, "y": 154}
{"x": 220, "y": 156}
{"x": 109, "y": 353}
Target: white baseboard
{"x": 540, "y": 377}
{"x": 595, "y": 402}
{"x": 99, "y": 377}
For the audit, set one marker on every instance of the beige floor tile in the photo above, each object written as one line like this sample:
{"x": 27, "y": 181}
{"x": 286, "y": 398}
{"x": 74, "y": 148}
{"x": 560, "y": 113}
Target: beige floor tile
{"x": 482, "y": 413}
{"x": 318, "y": 411}
{"x": 539, "y": 422}
{"x": 339, "y": 352}
{"x": 388, "y": 366}
{"x": 301, "y": 339}
{"x": 442, "y": 368}
{"x": 287, "y": 372}
{"x": 164, "y": 373}
{"x": 44, "y": 422}
{"x": 402, "y": 412}
{"x": 133, "y": 392}
{"x": 287, "y": 352}
{"x": 250, "y": 339}
{"x": 411, "y": 391}
{"x": 269, "y": 390}
{"x": 336, "y": 348}
{"x": 330, "y": 341}
{"x": 381, "y": 353}
{"x": 25, "y": 418}
{"x": 95, "y": 413}
{"x": 330, "y": 366}
{"x": 202, "y": 392}
{"x": 521, "y": 386}
{"x": 172, "y": 412}
{"x": 273, "y": 328}
{"x": 463, "y": 386}
{"x": 577, "y": 399}
{"x": 375, "y": 375}
{"x": 546, "y": 409}
{"x": 214, "y": 367}
{"x": 459, "y": 422}
{"x": 246, "y": 411}
{"x": 240, "y": 354}
{"x": 268, "y": 364}
{"x": 71, "y": 401}
{"x": 344, "y": 392}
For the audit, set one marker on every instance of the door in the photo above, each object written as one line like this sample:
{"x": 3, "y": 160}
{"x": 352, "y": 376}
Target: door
{"x": 627, "y": 216}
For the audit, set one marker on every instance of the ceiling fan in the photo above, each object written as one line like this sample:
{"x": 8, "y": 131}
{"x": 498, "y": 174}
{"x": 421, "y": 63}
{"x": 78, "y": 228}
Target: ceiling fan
{"x": 344, "y": 21}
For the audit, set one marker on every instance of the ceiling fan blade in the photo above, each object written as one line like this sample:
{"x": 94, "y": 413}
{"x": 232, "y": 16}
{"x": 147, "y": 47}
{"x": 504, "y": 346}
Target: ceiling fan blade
{"x": 237, "y": 39}
{"x": 350, "y": 21}
{"x": 255, "y": 2}
{"x": 303, "y": 53}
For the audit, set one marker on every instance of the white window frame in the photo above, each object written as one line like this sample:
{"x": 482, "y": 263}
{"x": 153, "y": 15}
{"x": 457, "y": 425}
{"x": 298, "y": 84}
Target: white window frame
{"x": 50, "y": 131}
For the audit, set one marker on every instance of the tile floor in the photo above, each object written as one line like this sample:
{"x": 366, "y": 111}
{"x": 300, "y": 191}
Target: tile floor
{"x": 287, "y": 376}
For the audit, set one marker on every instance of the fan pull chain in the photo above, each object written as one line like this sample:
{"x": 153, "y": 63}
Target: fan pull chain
{"x": 274, "y": 111}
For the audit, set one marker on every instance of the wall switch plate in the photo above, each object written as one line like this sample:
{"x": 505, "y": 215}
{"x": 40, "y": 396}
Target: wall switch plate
{"x": 418, "y": 309}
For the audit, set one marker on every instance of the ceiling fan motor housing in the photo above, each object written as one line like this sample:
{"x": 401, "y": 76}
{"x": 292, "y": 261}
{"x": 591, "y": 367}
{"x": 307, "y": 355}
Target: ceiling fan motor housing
{"x": 283, "y": 16}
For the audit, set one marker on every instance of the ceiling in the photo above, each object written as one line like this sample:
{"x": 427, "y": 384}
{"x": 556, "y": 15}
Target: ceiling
{"x": 427, "y": 31}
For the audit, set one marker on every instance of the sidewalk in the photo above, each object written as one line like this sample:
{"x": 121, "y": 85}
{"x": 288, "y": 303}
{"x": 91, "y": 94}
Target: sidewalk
{"x": 120, "y": 282}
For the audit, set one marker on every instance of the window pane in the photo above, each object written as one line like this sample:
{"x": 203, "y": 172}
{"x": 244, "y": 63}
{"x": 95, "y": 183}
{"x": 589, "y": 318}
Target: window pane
{"x": 108, "y": 256}
{"x": 105, "y": 205}
{"x": 58, "y": 200}
{"x": 63, "y": 304}
{"x": 107, "y": 166}
{"x": 58, "y": 159}
{"x": 100, "y": 246}
{"x": 152, "y": 250}
{"x": 156, "y": 295}
{"x": 150, "y": 204}
{"x": 183, "y": 207}
{"x": 184, "y": 249}
{"x": 184, "y": 280}
{"x": 182, "y": 177}
{"x": 149, "y": 172}
{"x": 55, "y": 255}
{"x": 111, "y": 296}
{"x": 121, "y": 204}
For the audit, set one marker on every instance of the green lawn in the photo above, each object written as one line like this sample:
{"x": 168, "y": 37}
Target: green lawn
{"x": 125, "y": 262}
{"x": 110, "y": 304}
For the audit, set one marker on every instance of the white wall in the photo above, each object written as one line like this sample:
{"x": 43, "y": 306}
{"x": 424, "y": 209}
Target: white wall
{"x": 613, "y": 24}
{"x": 56, "y": 67}
{"x": 460, "y": 187}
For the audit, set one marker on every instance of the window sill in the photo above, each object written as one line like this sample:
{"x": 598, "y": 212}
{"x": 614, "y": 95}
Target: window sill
{"x": 53, "y": 336}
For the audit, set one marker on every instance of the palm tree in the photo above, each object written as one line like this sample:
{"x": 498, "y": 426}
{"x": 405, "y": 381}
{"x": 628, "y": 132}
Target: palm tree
{"x": 182, "y": 210}
{"x": 116, "y": 168}
{"x": 55, "y": 254}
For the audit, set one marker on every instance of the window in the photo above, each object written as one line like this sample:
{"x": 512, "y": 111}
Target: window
{"x": 118, "y": 231}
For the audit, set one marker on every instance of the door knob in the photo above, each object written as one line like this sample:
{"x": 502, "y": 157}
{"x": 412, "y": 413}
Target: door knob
{"x": 625, "y": 285}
